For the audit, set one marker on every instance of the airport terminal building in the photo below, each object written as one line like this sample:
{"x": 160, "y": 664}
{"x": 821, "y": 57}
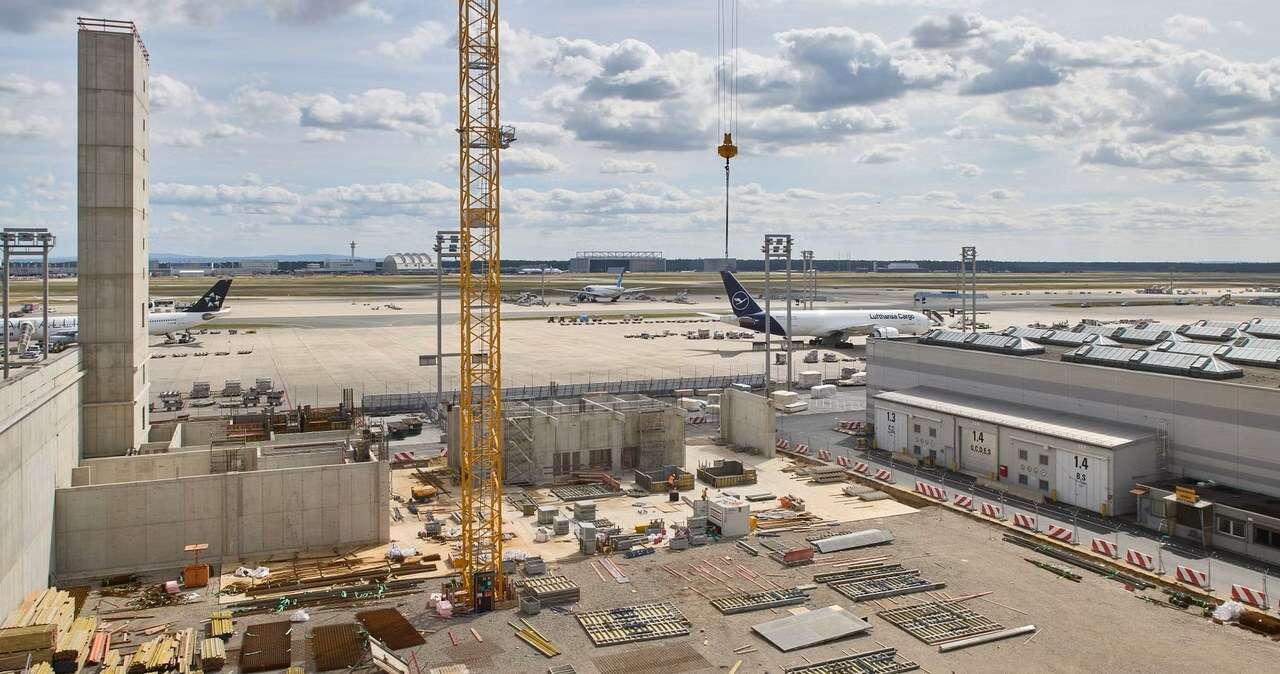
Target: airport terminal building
{"x": 1110, "y": 419}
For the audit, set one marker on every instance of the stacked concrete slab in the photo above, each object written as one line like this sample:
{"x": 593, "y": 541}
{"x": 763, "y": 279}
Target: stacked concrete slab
{"x": 112, "y": 233}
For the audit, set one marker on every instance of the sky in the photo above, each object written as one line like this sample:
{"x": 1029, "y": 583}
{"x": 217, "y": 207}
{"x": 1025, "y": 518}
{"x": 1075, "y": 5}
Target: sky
{"x": 871, "y": 129}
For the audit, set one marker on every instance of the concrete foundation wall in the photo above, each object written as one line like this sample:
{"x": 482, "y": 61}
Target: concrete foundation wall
{"x": 1220, "y": 431}
{"x": 242, "y": 516}
{"x": 748, "y": 420}
{"x": 39, "y": 447}
{"x": 142, "y": 467}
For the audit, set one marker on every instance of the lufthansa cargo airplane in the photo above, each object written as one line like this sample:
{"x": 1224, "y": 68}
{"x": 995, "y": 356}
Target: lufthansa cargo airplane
{"x": 66, "y": 329}
{"x": 830, "y": 326}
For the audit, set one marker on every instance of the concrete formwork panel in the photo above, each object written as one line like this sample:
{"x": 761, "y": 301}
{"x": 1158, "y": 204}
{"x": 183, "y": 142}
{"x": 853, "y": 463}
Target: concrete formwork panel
{"x": 748, "y": 420}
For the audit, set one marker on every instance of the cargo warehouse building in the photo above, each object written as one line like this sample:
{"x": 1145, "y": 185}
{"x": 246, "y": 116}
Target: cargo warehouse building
{"x": 1147, "y": 407}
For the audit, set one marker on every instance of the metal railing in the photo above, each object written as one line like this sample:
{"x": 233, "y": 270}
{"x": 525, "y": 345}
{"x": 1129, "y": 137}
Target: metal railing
{"x": 394, "y": 403}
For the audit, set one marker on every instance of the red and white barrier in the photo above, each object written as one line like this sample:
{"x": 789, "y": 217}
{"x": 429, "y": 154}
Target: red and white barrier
{"x": 926, "y": 489}
{"x": 1250, "y": 596}
{"x": 1105, "y": 547}
{"x": 1061, "y": 534}
{"x": 824, "y": 455}
{"x": 993, "y": 511}
{"x": 782, "y": 444}
{"x": 1192, "y": 577}
{"x": 401, "y": 457}
{"x": 964, "y": 501}
{"x": 801, "y": 449}
{"x": 1027, "y": 522}
{"x": 860, "y": 467}
{"x": 695, "y": 420}
{"x": 842, "y": 461}
{"x": 1140, "y": 559}
{"x": 884, "y": 475}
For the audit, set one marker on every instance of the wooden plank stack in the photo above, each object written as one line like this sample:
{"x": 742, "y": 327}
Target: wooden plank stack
{"x": 213, "y": 655}
{"x": 74, "y": 644}
{"x": 34, "y": 627}
{"x": 115, "y": 663}
{"x": 220, "y": 625}
{"x": 161, "y": 653}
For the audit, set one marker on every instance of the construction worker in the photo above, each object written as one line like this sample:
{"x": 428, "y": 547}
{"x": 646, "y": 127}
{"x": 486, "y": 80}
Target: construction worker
{"x": 672, "y": 492}
{"x": 704, "y": 493}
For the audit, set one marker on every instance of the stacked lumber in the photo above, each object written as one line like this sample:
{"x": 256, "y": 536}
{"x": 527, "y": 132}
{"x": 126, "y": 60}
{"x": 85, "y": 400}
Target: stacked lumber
{"x": 186, "y": 650}
{"x": 114, "y": 663}
{"x": 347, "y": 570}
{"x": 156, "y": 655}
{"x": 42, "y": 668}
{"x": 220, "y": 625}
{"x": 213, "y": 655}
{"x": 98, "y": 647}
{"x": 32, "y": 629}
{"x": 74, "y": 644}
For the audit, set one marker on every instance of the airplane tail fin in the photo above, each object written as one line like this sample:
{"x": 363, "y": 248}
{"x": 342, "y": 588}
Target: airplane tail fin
{"x": 739, "y": 299}
{"x": 213, "y": 298}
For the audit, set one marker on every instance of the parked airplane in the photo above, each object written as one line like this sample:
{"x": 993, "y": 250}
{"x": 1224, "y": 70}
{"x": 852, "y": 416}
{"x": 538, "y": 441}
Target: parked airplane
{"x": 830, "y": 326}
{"x": 526, "y": 271}
{"x": 596, "y": 293}
{"x": 66, "y": 329}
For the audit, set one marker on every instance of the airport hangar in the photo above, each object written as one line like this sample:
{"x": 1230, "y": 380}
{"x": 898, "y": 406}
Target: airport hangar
{"x": 603, "y": 261}
{"x": 1175, "y": 426}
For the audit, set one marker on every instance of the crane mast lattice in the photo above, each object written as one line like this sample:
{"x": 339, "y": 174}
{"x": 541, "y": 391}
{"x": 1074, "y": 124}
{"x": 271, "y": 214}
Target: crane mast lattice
{"x": 480, "y": 137}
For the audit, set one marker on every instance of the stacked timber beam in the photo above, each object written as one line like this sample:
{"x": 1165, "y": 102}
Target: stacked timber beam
{"x": 74, "y": 644}
{"x": 213, "y": 655}
{"x": 34, "y": 628}
{"x": 220, "y": 625}
{"x": 530, "y": 635}
{"x": 309, "y": 575}
{"x": 551, "y": 589}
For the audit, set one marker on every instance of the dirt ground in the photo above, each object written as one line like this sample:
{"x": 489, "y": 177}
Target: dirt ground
{"x": 1093, "y": 625}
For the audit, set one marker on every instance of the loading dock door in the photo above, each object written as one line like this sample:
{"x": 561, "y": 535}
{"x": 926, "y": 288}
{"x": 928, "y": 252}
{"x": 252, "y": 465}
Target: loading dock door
{"x": 887, "y": 427}
{"x": 1084, "y": 480}
{"x": 978, "y": 443}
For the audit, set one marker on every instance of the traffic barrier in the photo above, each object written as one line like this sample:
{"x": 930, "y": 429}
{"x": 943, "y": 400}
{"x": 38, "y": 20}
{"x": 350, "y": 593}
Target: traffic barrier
{"x": 401, "y": 457}
{"x": 1250, "y": 596}
{"x": 1140, "y": 559}
{"x": 884, "y": 475}
{"x": 801, "y": 449}
{"x": 1027, "y": 522}
{"x": 926, "y": 489}
{"x": 964, "y": 501}
{"x": 993, "y": 511}
{"x": 824, "y": 455}
{"x": 1105, "y": 547}
{"x": 860, "y": 467}
{"x": 1192, "y": 577}
{"x": 1062, "y": 534}
{"x": 782, "y": 444}
{"x": 696, "y": 420}
{"x": 842, "y": 461}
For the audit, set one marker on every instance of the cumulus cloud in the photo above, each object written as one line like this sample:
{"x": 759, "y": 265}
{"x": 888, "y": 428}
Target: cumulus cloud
{"x": 1001, "y": 194}
{"x": 883, "y": 154}
{"x": 25, "y": 16}
{"x": 221, "y": 195}
{"x": 187, "y": 137}
{"x": 374, "y": 109}
{"x": 935, "y": 32}
{"x": 965, "y": 170}
{"x": 24, "y": 125}
{"x": 323, "y": 136}
{"x": 425, "y": 37}
{"x": 1189, "y": 160}
{"x": 1183, "y": 28}
{"x": 22, "y": 85}
{"x": 627, "y": 166}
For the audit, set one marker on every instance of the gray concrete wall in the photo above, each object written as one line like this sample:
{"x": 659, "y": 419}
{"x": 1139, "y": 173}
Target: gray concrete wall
{"x": 1219, "y": 431}
{"x": 142, "y": 467}
{"x": 39, "y": 446}
{"x": 112, "y": 239}
{"x": 242, "y": 516}
{"x": 748, "y": 420}
{"x": 269, "y": 459}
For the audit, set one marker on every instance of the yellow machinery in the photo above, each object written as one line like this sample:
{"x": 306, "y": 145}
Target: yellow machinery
{"x": 480, "y": 137}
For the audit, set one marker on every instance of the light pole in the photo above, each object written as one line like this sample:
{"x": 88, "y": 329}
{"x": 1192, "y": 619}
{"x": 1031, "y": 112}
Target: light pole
{"x": 776, "y": 247}
{"x": 810, "y": 276}
{"x": 446, "y": 246}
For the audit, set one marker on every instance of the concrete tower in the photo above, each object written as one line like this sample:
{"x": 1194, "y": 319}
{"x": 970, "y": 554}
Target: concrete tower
{"x": 112, "y": 226}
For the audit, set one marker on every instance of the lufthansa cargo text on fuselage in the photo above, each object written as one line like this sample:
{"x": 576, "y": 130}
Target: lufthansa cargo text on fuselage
{"x": 891, "y": 317}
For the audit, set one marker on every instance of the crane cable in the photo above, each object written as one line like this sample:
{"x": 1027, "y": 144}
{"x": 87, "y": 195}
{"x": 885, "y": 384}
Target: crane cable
{"x": 727, "y": 94}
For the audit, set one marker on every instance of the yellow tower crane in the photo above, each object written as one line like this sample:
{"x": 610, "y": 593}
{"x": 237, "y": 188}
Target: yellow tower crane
{"x": 480, "y": 137}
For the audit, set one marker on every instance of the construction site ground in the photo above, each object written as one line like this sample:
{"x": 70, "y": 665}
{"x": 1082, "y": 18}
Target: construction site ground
{"x": 1094, "y": 625}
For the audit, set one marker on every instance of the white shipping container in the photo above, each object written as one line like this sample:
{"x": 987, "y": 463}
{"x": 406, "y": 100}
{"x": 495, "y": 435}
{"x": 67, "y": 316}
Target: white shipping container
{"x": 1084, "y": 480}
